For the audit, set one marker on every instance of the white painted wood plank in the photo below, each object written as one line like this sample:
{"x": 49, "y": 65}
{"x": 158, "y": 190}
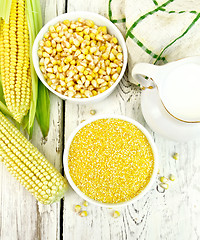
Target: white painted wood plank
{"x": 21, "y": 217}
{"x": 174, "y": 214}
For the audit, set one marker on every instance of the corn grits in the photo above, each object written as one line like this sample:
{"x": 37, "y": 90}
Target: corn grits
{"x": 110, "y": 160}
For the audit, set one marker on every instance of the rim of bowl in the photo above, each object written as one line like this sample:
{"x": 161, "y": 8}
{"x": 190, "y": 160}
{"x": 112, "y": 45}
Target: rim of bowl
{"x": 84, "y": 14}
{"x": 150, "y": 140}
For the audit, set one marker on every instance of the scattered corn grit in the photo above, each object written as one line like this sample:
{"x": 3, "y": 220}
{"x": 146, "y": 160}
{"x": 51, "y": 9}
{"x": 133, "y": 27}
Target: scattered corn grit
{"x": 80, "y": 59}
{"x": 29, "y": 166}
{"x": 110, "y": 160}
{"x": 15, "y": 61}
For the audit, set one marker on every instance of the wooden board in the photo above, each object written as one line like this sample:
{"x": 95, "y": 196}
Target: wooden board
{"x": 172, "y": 215}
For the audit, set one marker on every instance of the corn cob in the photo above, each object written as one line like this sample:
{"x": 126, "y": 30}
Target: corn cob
{"x": 29, "y": 166}
{"x": 15, "y": 61}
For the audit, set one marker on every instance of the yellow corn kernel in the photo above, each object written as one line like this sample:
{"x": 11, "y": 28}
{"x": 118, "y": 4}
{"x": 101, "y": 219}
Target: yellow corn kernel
{"x": 60, "y": 69}
{"x": 93, "y": 49}
{"x": 113, "y": 65}
{"x": 107, "y": 78}
{"x": 80, "y": 68}
{"x": 115, "y": 76}
{"x": 102, "y": 48}
{"x": 44, "y": 54}
{"x": 96, "y": 69}
{"x": 102, "y": 29}
{"x": 59, "y": 48}
{"x": 70, "y": 83}
{"x": 85, "y": 203}
{"x": 77, "y": 208}
{"x": 73, "y": 26}
{"x": 52, "y": 29}
{"x": 83, "y": 214}
{"x": 68, "y": 45}
{"x": 48, "y": 43}
{"x": 68, "y": 59}
{"x": 46, "y": 61}
{"x": 92, "y": 35}
{"x": 87, "y": 37}
{"x": 89, "y": 77}
{"x": 119, "y": 56}
{"x": 114, "y": 40}
{"x": 88, "y": 93}
{"x": 66, "y": 22}
{"x": 79, "y": 29}
{"x": 77, "y": 53}
{"x": 46, "y": 35}
{"x": 63, "y": 83}
{"x": 94, "y": 92}
{"x": 105, "y": 56}
{"x": 112, "y": 56}
{"x": 94, "y": 83}
{"x": 85, "y": 72}
{"x": 81, "y": 56}
{"x": 76, "y": 43}
{"x": 73, "y": 62}
{"x": 81, "y": 20}
{"x": 85, "y": 51}
{"x": 102, "y": 72}
{"x": 116, "y": 214}
{"x": 99, "y": 37}
{"x": 100, "y": 81}
{"x": 103, "y": 89}
{"x": 54, "y": 62}
{"x": 54, "y": 35}
{"x": 82, "y": 91}
{"x": 107, "y": 62}
{"x": 89, "y": 23}
{"x": 40, "y": 53}
{"x": 119, "y": 70}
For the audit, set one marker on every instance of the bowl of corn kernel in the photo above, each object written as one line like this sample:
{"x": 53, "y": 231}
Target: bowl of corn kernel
{"x": 80, "y": 56}
{"x": 110, "y": 160}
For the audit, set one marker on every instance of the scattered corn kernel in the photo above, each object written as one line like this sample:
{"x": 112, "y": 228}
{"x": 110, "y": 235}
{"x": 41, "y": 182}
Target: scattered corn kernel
{"x": 116, "y": 214}
{"x": 164, "y": 185}
{"x": 163, "y": 179}
{"x": 77, "y": 208}
{"x": 83, "y": 214}
{"x": 171, "y": 177}
{"x": 176, "y": 156}
{"x": 92, "y": 112}
{"x": 85, "y": 203}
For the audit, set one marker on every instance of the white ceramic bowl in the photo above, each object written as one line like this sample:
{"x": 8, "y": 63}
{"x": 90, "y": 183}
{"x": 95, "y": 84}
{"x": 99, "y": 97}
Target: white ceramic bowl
{"x": 98, "y": 20}
{"x": 79, "y": 192}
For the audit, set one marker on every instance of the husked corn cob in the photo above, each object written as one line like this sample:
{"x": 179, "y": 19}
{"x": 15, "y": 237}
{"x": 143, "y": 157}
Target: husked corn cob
{"x": 15, "y": 61}
{"x": 29, "y": 166}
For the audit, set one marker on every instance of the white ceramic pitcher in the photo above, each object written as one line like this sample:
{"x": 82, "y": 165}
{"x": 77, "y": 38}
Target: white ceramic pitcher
{"x": 172, "y": 106}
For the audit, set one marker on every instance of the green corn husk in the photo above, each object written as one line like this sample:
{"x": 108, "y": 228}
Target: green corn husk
{"x": 40, "y": 94}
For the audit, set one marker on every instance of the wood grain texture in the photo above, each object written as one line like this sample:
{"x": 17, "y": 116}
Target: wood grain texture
{"x": 21, "y": 217}
{"x": 170, "y": 215}
{"x": 173, "y": 214}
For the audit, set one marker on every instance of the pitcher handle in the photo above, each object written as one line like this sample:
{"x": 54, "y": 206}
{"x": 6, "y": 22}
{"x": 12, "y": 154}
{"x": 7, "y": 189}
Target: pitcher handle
{"x": 145, "y": 69}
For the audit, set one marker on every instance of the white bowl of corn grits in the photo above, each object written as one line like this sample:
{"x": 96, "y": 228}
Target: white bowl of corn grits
{"x": 110, "y": 160}
{"x": 79, "y": 69}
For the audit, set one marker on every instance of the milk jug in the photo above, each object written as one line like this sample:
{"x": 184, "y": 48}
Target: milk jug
{"x": 170, "y": 100}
